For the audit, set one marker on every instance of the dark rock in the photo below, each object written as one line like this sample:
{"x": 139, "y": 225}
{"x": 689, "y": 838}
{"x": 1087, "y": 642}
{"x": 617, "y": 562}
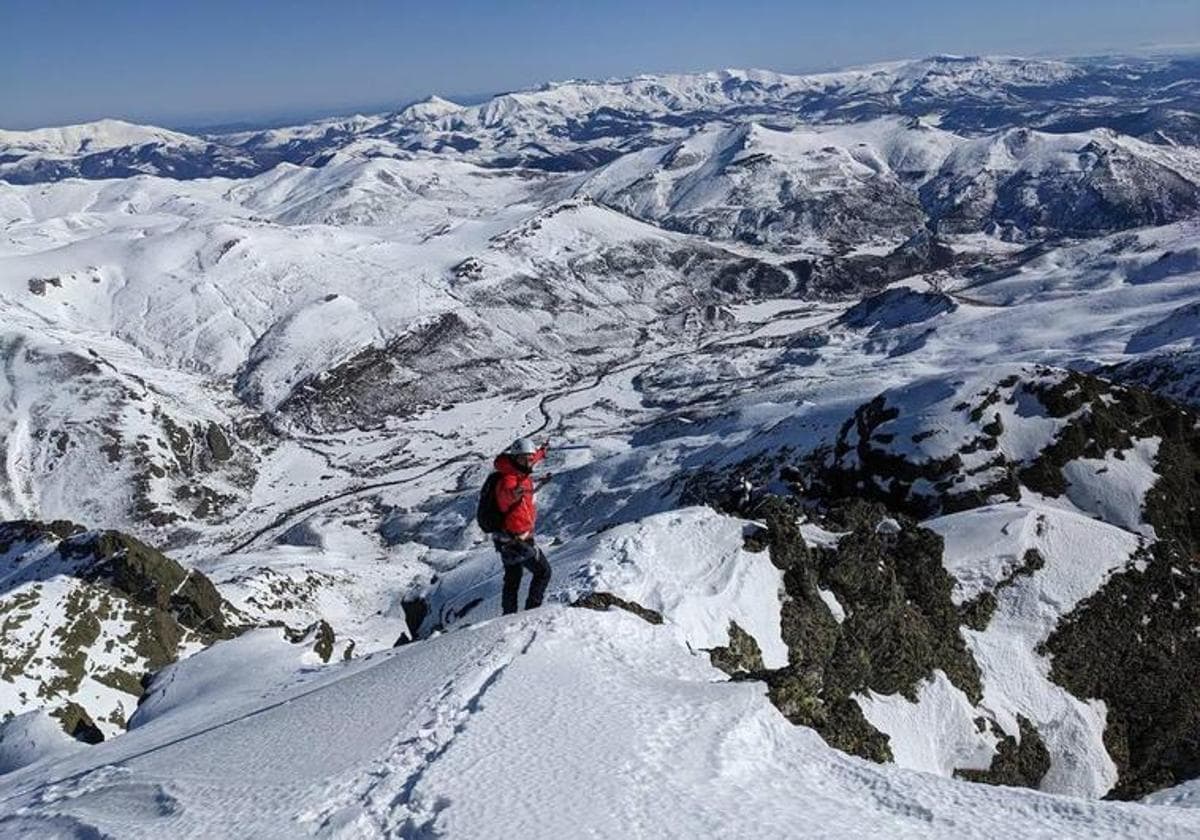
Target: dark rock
{"x": 319, "y": 633}
{"x": 1016, "y": 764}
{"x": 150, "y": 578}
{"x": 741, "y": 655}
{"x": 416, "y": 610}
{"x": 604, "y": 601}
{"x": 218, "y": 443}
{"x": 1133, "y": 644}
{"x": 77, "y": 723}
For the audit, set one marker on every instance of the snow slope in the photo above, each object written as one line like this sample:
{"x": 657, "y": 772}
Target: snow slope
{"x": 987, "y": 544}
{"x": 540, "y": 725}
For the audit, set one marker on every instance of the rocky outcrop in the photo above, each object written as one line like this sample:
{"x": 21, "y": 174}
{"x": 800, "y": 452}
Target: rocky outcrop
{"x": 606, "y": 600}
{"x": 1019, "y": 762}
{"x": 942, "y": 446}
{"x": 1122, "y": 454}
{"x": 895, "y": 624}
{"x": 741, "y": 656}
{"x": 1133, "y": 644}
{"x": 87, "y": 615}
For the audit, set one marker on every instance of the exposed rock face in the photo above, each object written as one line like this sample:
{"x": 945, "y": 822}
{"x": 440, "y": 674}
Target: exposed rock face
{"x": 897, "y": 624}
{"x": 86, "y": 615}
{"x": 1134, "y": 643}
{"x": 1122, "y": 455}
{"x": 148, "y": 577}
{"x": 1017, "y": 763}
{"x": 939, "y": 447}
{"x": 741, "y": 656}
{"x": 319, "y": 636}
{"x": 78, "y": 724}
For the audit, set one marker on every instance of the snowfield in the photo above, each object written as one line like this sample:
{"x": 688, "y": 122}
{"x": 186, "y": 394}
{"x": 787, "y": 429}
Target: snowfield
{"x": 548, "y": 724}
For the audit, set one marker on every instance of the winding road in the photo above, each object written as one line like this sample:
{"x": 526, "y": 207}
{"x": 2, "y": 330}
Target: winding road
{"x": 589, "y": 381}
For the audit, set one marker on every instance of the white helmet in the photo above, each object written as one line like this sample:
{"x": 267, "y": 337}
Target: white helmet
{"x": 522, "y": 446}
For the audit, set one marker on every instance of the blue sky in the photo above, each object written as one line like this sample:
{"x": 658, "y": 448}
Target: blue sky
{"x": 176, "y": 62}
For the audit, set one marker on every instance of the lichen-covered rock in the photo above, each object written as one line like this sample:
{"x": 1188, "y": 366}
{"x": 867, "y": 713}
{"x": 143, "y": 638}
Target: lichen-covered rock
{"x": 148, "y": 577}
{"x": 1124, "y": 455}
{"x": 86, "y": 615}
{"x": 741, "y": 656}
{"x": 319, "y": 634}
{"x": 898, "y": 625}
{"x": 945, "y": 445}
{"x": 78, "y": 724}
{"x": 1020, "y": 763}
{"x": 839, "y": 721}
{"x": 1134, "y": 645}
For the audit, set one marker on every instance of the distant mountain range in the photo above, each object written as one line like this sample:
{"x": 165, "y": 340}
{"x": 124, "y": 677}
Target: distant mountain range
{"x": 576, "y": 125}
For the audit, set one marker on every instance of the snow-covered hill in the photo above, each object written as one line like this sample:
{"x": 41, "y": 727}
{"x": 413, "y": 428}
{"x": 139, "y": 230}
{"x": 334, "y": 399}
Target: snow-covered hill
{"x": 873, "y": 184}
{"x": 114, "y": 149}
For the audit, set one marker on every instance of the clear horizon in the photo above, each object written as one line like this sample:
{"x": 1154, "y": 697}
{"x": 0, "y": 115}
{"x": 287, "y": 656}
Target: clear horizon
{"x": 273, "y": 62}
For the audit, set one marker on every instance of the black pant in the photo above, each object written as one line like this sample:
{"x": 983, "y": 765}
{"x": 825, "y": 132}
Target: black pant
{"x": 517, "y": 555}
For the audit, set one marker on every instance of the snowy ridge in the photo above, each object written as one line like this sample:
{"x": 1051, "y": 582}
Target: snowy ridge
{"x": 669, "y": 749}
{"x": 1079, "y": 555}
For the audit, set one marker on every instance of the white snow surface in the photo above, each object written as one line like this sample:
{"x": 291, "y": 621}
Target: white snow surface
{"x": 937, "y": 733}
{"x": 545, "y": 724}
{"x": 30, "y": 737}
{"x": 92, "y": 137}
{"x": 983, "y": 547}
{"x": 688, "y": 565}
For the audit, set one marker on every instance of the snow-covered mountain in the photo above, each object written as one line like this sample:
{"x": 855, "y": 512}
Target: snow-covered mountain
{"x": 576, "y": 125}
{"x": 880, "y": 387}
{"x": 872, "y": 183}
{"x": 114, "y": 149}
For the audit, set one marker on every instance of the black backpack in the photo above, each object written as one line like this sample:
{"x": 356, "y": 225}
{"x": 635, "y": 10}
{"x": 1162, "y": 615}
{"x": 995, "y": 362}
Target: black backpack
{"x": 488, "y": 514}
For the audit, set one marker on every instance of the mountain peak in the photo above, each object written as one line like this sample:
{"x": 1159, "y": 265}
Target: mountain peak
{"x": 431, "y": 107}
{"x": 93, "y": 136}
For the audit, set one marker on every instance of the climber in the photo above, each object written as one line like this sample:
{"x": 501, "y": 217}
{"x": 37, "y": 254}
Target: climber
{"x": 508, "y": 512}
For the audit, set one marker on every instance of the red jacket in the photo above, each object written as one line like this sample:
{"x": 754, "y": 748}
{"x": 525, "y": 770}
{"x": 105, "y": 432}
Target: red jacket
{"x": 514, "y": 494}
